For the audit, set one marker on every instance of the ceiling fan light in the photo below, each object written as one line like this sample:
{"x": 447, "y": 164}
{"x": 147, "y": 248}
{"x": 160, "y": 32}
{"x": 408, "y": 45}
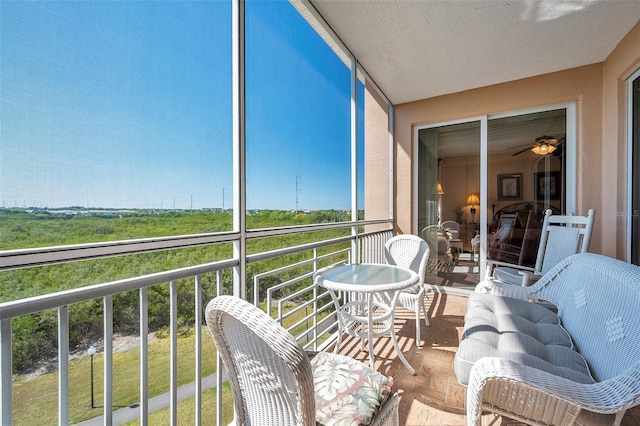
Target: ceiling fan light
{"x": 543, "y": 148}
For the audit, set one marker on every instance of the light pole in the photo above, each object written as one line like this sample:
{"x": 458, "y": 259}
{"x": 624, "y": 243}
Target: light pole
{"x": 92, "y": 351}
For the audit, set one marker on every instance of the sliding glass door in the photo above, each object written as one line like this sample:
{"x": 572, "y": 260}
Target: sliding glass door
{"x": 634, "y": 168}
{"x": 448, "y": 177}
{"x": 526, "y": 175}
{"x": 473, "y": 173}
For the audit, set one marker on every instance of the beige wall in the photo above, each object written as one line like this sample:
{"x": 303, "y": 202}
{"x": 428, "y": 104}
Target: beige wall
{"x": 599, "y": 93}
{"x": 460, "y": 177}
{"x": 582, "y": 85}
{"x": 377, "y": 165}
{"x": 620, "y": 64}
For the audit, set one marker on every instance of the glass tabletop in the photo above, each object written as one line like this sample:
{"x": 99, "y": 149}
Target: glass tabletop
{"x": 366, "y": 277}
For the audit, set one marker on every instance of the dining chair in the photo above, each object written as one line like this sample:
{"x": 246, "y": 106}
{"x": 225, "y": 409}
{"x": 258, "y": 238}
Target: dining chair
{"x": 440, "y": 256}
{"x": 455, "y": 243}
{"x": 275, "y": 382}
{"x": 561, "y": 236}
{"x": 452, "y": 227}
{"x": 411, "y": 252}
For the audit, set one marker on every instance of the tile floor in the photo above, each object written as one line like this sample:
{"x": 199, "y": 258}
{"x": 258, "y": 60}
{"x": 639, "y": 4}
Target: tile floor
{"x": 433, "y": 396}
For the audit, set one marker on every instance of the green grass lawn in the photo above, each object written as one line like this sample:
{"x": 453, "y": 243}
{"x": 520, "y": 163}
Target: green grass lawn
{"x": 35, "y": 398}
{"x": 186, "y": 410}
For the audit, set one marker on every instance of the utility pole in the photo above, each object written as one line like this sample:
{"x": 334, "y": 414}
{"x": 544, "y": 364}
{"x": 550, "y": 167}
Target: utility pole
{"x": 297, "y": 190}
{"x": 223, "y": 199}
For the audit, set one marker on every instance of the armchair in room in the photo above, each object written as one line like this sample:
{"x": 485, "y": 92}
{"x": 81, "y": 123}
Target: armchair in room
{"x": 561, "y": 236}
{"x": 500, "y": 247}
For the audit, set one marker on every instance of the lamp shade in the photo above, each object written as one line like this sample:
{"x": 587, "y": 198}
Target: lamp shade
{"x": 543, "y": 148}
{"x": 439, "y": 189}
{"x": 473, "y": 199}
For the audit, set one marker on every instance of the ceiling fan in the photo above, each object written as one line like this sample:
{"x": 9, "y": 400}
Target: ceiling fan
{"x": 542, "y": 146}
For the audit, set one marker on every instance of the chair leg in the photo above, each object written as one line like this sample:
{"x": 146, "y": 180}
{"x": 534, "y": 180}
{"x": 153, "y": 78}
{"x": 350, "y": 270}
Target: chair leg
{"x": 417, "y": 311}
{"x": 424, "y": 312}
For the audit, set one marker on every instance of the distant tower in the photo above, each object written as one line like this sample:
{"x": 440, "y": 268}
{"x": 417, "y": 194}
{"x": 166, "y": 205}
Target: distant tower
{"x": 297, "y": 190}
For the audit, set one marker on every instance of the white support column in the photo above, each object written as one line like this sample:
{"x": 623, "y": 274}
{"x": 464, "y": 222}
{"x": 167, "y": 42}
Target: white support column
{"x": 392, "y": 176}
{"x": 355, "y": 244}
{"x": 483, "y": 194}
{"x": 239, "y": 146}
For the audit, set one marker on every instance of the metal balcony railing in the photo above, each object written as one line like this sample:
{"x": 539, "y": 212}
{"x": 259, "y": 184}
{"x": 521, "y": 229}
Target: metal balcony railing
{"x": 296, "y": 302}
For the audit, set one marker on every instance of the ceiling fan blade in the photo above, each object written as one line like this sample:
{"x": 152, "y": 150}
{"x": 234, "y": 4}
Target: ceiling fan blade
{"x": 521, "y": 151}
{"x": 559, "y": 148}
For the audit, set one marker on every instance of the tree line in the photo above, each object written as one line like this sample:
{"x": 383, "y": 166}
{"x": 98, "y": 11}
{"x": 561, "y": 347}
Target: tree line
{"x": 35, "y": 336}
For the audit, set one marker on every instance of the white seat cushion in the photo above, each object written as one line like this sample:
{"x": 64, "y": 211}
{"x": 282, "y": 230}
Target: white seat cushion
{"x": 520, "y": 331}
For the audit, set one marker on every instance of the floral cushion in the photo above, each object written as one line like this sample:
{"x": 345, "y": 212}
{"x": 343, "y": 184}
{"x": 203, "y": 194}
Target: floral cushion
{"x": 347, "y": 391}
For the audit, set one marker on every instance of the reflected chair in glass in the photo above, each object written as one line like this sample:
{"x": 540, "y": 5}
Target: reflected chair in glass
{"x": 440, "y": 256}
{"x": 411, "y": 252}
{"x": 500, "y": 247}
{"x": 561, "y": 236}
{"x": 455, "y": 243}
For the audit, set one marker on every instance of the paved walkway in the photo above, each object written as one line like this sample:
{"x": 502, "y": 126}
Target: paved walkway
{"x": 159, "y": 402}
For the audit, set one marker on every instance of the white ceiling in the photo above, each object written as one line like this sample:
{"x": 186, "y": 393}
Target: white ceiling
{"x": 417, "y": 49}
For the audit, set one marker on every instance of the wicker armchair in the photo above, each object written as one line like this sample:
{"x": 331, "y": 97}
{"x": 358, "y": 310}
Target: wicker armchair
{"x": 411, "y": 252}
{"x": 275, "y": 382}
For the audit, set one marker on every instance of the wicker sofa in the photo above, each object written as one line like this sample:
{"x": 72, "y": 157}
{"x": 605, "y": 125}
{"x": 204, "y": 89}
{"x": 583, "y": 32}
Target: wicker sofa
{"x": 578, "y": 363}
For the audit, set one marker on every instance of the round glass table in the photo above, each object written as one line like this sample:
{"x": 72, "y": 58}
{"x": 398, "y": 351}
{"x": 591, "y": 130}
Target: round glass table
{"x": 373, "y": 290}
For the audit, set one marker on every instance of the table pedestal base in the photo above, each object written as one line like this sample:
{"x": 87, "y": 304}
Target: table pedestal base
{"x": 367, "y": 319}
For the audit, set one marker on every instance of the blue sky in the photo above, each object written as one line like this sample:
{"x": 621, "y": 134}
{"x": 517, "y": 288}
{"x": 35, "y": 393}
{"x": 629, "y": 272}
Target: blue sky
{"x": 128, "y": 104}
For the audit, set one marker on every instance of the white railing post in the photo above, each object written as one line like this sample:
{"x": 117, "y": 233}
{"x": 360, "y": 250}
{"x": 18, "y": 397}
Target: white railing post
{"x": 144, "y": 357}
{"x": 63, "y": 365}
{"x": 173, "y": 301}
{"x": 198, "y": 360}
{"x": 108, "y": 360}
{"x": 6, "y": 366}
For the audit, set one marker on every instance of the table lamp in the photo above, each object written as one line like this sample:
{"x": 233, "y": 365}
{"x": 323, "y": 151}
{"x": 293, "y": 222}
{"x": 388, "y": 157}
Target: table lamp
{"x": 473, "y": 199}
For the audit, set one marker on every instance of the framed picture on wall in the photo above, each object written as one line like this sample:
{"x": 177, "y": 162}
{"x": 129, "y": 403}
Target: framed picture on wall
{"x": 510, "y": 187}
{"x": 546, "y": 185}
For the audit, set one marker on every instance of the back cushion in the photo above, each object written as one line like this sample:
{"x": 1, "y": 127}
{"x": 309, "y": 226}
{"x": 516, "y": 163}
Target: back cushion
{"x": 598, "y": 300}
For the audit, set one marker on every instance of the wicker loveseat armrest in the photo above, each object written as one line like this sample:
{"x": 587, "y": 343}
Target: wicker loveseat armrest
{"x": 492, "y": 263}
{"x": 537, "y": 397}
{"x": 499, "y": 288}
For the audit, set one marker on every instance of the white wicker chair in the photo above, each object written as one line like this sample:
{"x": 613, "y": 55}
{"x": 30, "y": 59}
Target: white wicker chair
{"x": 411, "y": 252}
{"x": 272, "y": 378}
{"x": 561, "y": 236}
